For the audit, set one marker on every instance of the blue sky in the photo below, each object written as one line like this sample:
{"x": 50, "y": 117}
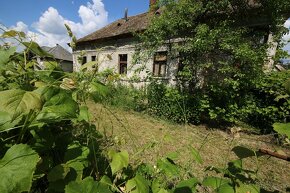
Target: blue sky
{"x": 43, "y": 20}
{"x": 29, "y": 11}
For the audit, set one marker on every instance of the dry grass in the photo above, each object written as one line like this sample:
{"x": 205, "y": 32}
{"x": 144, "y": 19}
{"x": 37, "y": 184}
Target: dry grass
{"x": 148, "y": 139}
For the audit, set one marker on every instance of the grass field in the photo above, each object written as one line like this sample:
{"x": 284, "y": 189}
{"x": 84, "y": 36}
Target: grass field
{"x": 148, "y": 138}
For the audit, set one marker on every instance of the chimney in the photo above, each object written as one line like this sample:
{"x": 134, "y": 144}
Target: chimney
{"x": 153, "y": 5}
{"x": 126, "y": 14}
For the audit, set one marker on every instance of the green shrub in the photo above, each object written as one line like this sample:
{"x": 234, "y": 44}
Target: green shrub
{"x": 269, "y": 101}
{"x": 172, "y": 104}
{"x": 259, "y": 105}
{"x": 126, "y": 97}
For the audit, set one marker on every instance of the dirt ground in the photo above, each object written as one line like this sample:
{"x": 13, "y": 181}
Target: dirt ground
{"x": 147, "y": 138}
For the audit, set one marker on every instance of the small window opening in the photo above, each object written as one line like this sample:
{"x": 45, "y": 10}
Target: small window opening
{"x": 159, "y": 64}
{"x": 84, "y": 60}
{"x": 181, "y": 62}
{"x": 93, "y": 59}
{"x": 123, "y": 61}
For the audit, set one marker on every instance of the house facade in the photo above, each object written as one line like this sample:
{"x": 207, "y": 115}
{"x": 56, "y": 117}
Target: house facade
{"x": 113, "y": 47}
{"x": 59, "y": 55}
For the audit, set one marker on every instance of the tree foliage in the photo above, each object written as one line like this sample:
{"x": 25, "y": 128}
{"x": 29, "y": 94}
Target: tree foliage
{"x": 220, "y": 48}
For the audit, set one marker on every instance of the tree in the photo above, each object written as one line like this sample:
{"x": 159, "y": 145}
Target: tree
{"x": 221, "y": 46}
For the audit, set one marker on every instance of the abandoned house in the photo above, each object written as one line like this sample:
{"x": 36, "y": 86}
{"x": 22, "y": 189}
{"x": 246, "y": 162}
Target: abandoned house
{"x": 117, "y": 41}
{"x": 59, "y": 55}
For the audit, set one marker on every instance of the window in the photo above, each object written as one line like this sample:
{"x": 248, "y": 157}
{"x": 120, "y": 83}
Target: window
{"x": 123, "y": 58}
{"x": 93, "y": 59}
{"x": 181, "y": 62}
{"x": 159, "y": 64}
{"x": 84, "y": 60}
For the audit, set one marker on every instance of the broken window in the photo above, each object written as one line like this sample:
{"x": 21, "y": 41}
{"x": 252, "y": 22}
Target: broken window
{"x": 159, "y": 64}
{"x": 123, "y": 60}
{"x": 181, "y": 62}
{"x": 93, "y": 59}
{"x": 84, "y": 60}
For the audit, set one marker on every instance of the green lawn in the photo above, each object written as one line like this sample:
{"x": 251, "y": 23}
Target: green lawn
{"x": 147, "y": 139}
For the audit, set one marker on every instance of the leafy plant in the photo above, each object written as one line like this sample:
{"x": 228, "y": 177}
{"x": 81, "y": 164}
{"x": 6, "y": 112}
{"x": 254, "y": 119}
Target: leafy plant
{"x": 49, "y": 144}
{"x": 42, "y": 108}
{"x": 17, "y": 168}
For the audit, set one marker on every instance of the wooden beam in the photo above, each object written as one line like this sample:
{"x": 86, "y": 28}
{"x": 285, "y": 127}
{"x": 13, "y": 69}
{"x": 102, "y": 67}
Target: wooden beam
{"x": 275, "y": 154}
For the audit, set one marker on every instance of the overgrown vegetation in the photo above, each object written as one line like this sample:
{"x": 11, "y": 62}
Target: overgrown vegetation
{"x": 222, "y": 51}
{"x": 49, "y": 144}
{"x": 261, "y": 106}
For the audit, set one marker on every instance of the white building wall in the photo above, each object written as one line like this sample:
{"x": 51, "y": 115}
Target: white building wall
{"x": 133, "y": 70}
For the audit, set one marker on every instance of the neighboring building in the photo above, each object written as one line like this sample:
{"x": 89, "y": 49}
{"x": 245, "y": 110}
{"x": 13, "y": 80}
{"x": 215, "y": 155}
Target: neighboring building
{"x": 60, "y": 55}
{"x": 118, "y": 41}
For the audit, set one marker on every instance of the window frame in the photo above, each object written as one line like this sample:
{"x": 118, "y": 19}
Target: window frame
{"x": 84, "y": 60}
{"x": 94, "y": 59}
{"x": 123, "y": 64}
{"x": 160, "y": 60}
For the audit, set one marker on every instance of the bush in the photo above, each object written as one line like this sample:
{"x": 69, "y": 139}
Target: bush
{"x": 126, "y": 97}
{"x": 269, "y": 102}
{"x": 172, "y": 104}
{"x": 259, "y": 105}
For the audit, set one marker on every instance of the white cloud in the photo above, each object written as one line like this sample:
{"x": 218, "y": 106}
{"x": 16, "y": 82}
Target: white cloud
{"x": 51, "y": 22}
{"x": 20, "y": 26}
{"x": 50, "y": 30}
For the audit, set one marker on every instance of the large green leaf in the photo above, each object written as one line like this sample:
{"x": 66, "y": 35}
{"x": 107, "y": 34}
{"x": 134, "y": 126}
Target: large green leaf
{"x": 226, "y": 188}
{"x": 19, "y": 102}
{"x": 17, "y": 168}
{"x": 13, "y": 33}
{"x": 63, "y": 174}
{"x": 59, "y": 107}
{"x": 157, "y": 186}
{"x": 167, "y": 166}
{"x": 247, "y": 188}
{"x": 214, "y": 182}
{"x": 76, "y": 152}
{"x": 88, "y": 185}
{"x": 282, "y": 128}
{"x": 59, "y": 172}
{"x": 88, "y": 65}
{"x": 98, "y": 91}
{"x": 5, "y": 55}
{"x": 84, "y": 114}
{"x": 76, "y": 158}
{"x": 50, "y": 65}
{"x": 36, "y": 49}
{"x": 5, "y": 121}
{"x": 186, "y": 186}
{"x": 119, "y": 161}
{"x": 137, "y": 185}
{"x": 243, "y": 152}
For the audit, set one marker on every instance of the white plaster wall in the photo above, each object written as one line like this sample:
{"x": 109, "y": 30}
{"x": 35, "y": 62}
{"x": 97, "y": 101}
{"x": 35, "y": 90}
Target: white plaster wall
{"x": 132, "y": 69}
